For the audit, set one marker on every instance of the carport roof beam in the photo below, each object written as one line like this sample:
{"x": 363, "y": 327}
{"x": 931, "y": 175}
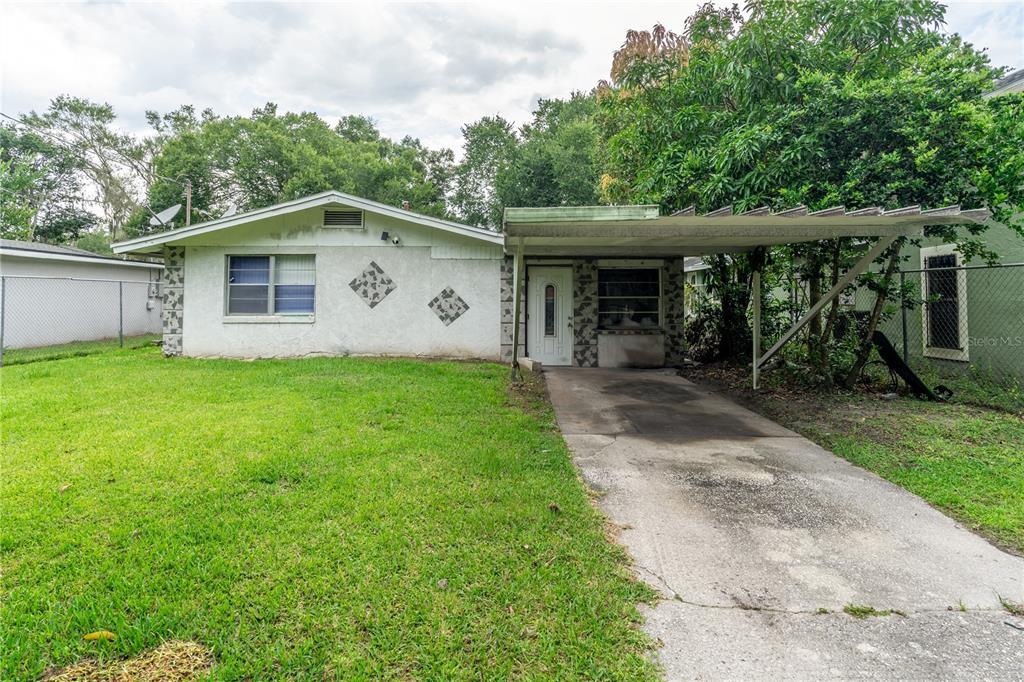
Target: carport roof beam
{"x": 641, "y": 231}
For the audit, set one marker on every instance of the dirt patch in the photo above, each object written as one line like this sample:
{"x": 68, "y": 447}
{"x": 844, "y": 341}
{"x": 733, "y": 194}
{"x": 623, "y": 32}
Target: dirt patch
{"x": 819, "y": 413}
{"x": 531, "y": 396}
{"x": 172, "y": 661}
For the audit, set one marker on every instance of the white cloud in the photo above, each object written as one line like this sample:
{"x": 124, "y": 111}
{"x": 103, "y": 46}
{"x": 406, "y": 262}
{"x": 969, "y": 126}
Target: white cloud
{"x": 996, "y": 26}
{"x": 421, "y": 70}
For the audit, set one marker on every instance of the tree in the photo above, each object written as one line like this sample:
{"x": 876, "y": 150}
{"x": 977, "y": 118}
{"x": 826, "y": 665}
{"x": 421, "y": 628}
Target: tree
{"x": 17, "y": 213}
{"x": 97, "y": 242}
{"x": 269, "y": 157}
{"x": 557, "y": 162}
{"x": 488, "y": 146}
{"x": 109, "y": 163}
{"x": 41, "y": 187}
{"x": 554, "y": 160}
{"x": 818, "y": 103}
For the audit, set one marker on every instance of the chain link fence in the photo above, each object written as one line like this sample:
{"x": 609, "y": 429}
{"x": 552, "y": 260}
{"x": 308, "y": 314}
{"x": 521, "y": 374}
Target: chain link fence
{"x": 52, "y": 317}
{"x": 962, "y": 319}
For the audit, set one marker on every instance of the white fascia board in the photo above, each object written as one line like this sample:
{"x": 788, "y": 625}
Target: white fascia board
{"x": 98, "y": 260}
{"x": 149, "y": 242}
{"x": 581, "y": 214}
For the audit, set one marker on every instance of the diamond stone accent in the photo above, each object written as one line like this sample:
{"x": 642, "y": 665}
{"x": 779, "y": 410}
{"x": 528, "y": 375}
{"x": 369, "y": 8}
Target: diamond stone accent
{"x": 448, "y": 306}
{"x": 373, "y": 285}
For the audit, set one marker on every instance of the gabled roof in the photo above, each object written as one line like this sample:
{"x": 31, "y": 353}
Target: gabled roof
{"x": 45, "y": 248}
{"x": 55, "y": 252}
{"x": 151, "y": 242}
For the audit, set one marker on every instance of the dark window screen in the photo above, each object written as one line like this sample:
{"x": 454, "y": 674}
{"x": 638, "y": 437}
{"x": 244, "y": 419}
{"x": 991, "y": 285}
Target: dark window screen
{"x": 943, "y": 304}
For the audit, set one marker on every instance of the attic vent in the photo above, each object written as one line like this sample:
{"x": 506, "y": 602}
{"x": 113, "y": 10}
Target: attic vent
{"x": 343, "y": 218}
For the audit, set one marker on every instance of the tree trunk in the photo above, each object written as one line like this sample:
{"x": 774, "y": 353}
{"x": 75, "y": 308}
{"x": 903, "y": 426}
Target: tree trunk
{"x": 733, "y": 281}
{"x": 864, "y": 349}
{"x": 814, "y": 326}
{"x": 833, "y": 311}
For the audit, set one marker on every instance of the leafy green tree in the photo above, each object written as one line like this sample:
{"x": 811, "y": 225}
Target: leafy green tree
{"x": 97, "y": 242}
{"x": 554, "y": 160}
{"x": 17, "y": 213}
{"x": 818, "y": 103}
{"x": 558, "y": 160}
{"x": 269, "y": 157}
{"x": 488, "y": 146}
{"x": 41, "y": 189}
{"x": 109, "y": 164}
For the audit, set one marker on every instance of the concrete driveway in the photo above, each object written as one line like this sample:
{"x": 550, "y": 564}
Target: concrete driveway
{"x": 748, "y": 530}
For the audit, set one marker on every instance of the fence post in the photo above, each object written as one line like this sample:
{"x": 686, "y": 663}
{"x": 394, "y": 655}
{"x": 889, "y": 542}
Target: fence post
{"x": 3, "y": 306}
{"x": 120, "y": 314}
{"x": 903, "y": 313}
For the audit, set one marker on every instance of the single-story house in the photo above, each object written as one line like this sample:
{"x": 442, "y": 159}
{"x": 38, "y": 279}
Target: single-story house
{"x": 53, "y": 295}
{"x": 329, "y": 274}
{"x": 335, "y": 274}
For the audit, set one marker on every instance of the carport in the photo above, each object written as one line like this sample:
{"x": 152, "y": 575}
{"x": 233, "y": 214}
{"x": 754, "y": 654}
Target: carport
{"x": 639, "y": 234}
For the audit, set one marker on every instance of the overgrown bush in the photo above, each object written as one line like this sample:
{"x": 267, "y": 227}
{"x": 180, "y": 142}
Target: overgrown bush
{"x": 701, "y": 331}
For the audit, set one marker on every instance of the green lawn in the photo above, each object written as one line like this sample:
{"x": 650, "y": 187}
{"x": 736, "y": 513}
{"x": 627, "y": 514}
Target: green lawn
{"x": 20, "y": 356}
{"x": 965, "y": 461}
{"x": 321, "y": 518}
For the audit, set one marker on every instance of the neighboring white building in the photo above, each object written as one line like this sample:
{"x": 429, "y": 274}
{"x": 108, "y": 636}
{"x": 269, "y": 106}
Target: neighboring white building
{"x": 58, "y": 294}
{"x": 1012, "y": 82}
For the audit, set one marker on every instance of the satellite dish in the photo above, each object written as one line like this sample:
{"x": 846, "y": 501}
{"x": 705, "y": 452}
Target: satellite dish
{"x": 232, "y": 210}
{"x": 164, "y": 216}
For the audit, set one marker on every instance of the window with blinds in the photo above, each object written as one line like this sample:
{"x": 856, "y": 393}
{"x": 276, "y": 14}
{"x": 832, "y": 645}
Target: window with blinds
{"x": 271, "y": 285}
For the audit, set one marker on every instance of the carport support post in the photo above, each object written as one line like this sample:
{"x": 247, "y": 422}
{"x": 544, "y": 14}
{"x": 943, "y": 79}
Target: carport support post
{"x": 517, "y": 293}
{"x": 755, "y": 291}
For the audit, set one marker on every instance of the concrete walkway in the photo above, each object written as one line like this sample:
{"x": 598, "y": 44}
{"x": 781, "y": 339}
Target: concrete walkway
{"x": 748, "y": 530}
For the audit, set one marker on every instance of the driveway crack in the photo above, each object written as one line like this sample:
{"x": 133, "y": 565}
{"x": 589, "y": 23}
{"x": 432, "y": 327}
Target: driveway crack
{"x": 674, "y": 595}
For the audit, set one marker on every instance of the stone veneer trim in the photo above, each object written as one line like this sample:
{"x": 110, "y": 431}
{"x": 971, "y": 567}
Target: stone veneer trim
{"x": 172, "y": 282}
{"x": 584, "y": 313}
{"x": 508, "y": 311}
{"x": 673, "y": 294}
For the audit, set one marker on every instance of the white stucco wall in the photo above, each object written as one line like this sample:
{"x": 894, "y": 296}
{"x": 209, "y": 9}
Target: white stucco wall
{"x": 49, "y": 302}
{"x": 427, "y": 261}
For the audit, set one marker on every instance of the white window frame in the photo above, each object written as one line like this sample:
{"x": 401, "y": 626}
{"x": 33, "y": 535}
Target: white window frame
{"x": 271, "y": 312}
{"x": 961, "y": 354}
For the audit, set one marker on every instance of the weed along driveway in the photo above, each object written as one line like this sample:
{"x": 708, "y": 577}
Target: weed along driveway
{"x": 774, "y": 557}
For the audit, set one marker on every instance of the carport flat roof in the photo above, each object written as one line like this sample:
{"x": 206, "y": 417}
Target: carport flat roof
{"x": 641, "y": 231}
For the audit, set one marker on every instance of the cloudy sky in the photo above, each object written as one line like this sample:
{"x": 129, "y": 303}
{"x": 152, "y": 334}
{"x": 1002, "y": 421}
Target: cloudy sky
{"x": 417, "y": 69}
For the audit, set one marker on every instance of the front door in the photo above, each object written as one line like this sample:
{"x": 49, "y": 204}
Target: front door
{"x": 549, "y": 315}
